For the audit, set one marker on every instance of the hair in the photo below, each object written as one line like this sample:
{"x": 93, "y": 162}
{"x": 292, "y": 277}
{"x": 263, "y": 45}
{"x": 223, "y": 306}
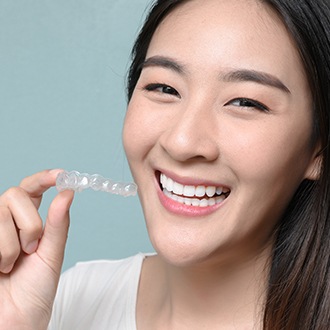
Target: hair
{"x": 298, "y": 294}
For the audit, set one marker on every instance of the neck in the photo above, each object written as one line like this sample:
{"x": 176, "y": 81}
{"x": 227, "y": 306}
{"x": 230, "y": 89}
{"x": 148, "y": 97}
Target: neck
{"x": 201, "y": 296}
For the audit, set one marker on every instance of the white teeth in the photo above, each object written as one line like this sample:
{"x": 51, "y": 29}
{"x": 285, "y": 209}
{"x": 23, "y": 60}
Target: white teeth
{"x": 180, "y": 200}
{"x": 210, "y": 191}
{"x": 195, "y": 201}
{"x": 169, "y": 184}
{"x": 200, "y": 191}
{"x": 219, "y": 191}
{"x": 188, "y": 201}
{"x": 182, "y": 193}
{"x": 178, "y": 188}
{"x": 189, "y": 191}
{"x": 211, "y": 201}
{"x": 204, "y": 203}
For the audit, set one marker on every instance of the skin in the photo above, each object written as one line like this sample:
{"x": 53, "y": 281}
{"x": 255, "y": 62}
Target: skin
{"x": 29, "y": 271}
{"x": 212, "y": 268}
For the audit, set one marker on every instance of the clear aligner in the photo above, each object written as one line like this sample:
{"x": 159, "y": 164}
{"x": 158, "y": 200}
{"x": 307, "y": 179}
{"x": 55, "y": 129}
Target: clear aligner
{"x": 79, "y": 181}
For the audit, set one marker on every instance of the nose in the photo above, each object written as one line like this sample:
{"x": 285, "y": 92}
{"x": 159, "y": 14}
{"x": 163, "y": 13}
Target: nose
{"x": 191, "y": 134}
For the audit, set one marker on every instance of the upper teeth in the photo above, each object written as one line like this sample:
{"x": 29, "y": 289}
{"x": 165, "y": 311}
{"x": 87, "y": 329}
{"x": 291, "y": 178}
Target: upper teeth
{"x": 188, "y": 190}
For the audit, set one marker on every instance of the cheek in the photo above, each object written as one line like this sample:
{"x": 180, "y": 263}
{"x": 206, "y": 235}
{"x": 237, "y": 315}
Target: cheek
{"x": 276, "y": 155}
{"x": 140, "y": 131}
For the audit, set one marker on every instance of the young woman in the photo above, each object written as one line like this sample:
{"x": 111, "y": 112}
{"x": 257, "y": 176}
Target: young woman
{"x": 226, "y": 134}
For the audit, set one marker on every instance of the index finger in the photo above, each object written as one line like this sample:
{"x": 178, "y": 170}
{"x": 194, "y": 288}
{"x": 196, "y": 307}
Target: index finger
{"x": 36, "y": 184}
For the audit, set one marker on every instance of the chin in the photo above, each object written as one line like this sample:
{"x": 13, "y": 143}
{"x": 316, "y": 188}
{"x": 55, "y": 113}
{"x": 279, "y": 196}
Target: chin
{"x": 181, "y": 253}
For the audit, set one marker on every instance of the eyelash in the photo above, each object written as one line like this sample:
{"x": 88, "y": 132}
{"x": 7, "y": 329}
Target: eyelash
{"x": 249, "y": 103}
{"x": 166, "y": 89}
{"x": 156, "y": 86}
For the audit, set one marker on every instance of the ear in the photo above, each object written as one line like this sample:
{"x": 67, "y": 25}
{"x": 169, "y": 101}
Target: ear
{"x": 313, "y": 171}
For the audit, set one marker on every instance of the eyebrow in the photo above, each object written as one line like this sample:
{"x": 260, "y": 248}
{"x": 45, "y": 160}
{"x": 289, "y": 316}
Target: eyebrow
{"x": 259, "y": 77}
{"x": 164, "y": 62}
{"x": 234, "y": 75}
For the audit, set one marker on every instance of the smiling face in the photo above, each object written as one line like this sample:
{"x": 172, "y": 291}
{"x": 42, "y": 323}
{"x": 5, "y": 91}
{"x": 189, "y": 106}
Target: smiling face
{"x": 218, "y": 130}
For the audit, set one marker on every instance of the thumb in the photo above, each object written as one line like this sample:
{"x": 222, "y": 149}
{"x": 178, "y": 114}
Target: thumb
{"x": 52, "y": 244}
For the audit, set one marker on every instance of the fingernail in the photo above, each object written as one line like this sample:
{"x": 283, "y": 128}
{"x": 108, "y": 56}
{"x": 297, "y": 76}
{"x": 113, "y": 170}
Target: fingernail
{"x": 31, "y": 247}
{"x": 55, "y": 170}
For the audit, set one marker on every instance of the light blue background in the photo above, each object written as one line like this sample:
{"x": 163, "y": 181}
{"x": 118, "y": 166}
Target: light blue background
{"x": 63, "y": 66}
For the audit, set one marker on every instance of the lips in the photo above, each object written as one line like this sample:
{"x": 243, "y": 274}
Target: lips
{"x": 191, "y": 195}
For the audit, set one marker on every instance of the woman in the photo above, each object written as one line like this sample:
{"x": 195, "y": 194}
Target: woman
{"x": 227, "y": 135}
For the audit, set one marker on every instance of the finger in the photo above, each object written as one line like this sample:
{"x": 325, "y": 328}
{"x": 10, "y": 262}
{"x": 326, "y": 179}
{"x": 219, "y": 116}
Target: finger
{"x": 25, "y": 216}
{"x": 36, "y": 184}
{"x": 52, "y": 244}
{"x": 9, "y": 243}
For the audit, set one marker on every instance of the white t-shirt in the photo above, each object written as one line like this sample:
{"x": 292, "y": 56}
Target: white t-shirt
{"x": 98, "y": 295}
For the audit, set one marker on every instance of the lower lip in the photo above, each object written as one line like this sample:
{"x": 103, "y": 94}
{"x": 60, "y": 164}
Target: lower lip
{"x": 183, "y": 209}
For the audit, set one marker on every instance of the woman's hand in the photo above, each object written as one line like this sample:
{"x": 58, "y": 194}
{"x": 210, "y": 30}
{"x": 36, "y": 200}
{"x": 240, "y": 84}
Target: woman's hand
{"x": 31, "y": 256}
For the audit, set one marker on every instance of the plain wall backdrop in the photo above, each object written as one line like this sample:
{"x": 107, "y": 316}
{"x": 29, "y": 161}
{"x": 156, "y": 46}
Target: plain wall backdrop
{"x": 63, "y": 67}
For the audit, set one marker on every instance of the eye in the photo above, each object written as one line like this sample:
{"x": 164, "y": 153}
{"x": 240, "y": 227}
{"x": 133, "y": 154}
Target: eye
{"x": 248, "y": 103}
{"x": 162, "y": 89}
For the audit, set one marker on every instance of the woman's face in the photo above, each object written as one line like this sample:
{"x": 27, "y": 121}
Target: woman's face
{"x": 218, "y": 130}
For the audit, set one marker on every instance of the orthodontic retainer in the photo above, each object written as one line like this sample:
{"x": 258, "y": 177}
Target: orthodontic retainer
{"x": 78, "y": 182}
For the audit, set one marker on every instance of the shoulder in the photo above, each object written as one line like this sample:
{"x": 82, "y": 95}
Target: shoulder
{"x": 102, "y": 277}
{"x": 103, "y": 269}
{"x": 101, "y": 291}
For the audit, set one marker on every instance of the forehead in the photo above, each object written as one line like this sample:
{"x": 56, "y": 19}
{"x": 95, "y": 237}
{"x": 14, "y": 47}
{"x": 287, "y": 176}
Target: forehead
{"x": 230, "y": 15}
{"x": 228, "y": 33}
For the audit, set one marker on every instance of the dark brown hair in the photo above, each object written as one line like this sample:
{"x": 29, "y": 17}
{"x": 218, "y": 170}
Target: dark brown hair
{"x": 299, "y": 282}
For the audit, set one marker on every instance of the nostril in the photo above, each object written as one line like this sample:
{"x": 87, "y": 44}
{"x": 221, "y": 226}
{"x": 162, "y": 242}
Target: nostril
{"x": 190, "y": 140}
